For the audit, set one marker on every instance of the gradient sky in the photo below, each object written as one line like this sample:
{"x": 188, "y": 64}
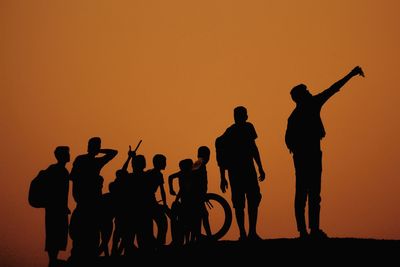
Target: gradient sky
{"x": 171, "y": 72}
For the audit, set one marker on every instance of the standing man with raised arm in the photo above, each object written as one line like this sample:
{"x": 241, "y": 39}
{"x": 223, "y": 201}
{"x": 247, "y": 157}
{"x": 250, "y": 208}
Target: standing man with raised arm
{"x": 236, "y": 153}
{"x": 303, "y": 135}
{"x": 87, "y": 191}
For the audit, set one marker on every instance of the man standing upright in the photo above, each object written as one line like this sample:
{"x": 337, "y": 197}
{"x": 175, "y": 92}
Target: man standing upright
{"x": 303, "y": 135}
{"x": 57, "y": 208}
{"x": 87, "y": 191}
{"x": 236, "y": 152}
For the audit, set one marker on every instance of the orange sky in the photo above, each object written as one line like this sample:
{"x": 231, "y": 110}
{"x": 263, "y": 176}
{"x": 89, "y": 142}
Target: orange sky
{"x": 171, "y": 72}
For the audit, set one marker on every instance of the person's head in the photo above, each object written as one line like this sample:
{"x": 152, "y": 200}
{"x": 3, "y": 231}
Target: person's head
{"x": 240, "y": 114}
{"x": 159, "y": 162}
{"x": 62, "y": 154}
{"x": 204, "y": 153}
{"x": 186, "y": 165}
{"x": 94, "y": 145}
{"x": 138, "y": 163}
{"x": 300, "y": 94}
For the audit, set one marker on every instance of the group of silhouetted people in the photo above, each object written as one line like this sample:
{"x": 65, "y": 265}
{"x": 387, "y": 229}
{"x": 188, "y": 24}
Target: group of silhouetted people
{"x": 127, "y": 211}
{"x": 125, "y": 215}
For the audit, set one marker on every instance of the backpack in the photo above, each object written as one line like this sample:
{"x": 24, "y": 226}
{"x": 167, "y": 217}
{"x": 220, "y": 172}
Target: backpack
{"x": 38, "y": 191}
{"x": 223, "y": 151}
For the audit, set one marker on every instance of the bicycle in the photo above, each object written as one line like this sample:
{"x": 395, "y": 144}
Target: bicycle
{"x": 213, "y": 201}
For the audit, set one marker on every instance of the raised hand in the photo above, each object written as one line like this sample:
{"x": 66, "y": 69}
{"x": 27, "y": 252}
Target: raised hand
{"x": 358, "y": 71}
{"x": 131, "y": 153}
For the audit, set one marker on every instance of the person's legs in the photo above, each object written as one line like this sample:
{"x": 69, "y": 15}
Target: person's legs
{"x": 299, "y": 207}
{"x": 239, "y": 213}
{"x": 53, "y": 254}
{"x": 162, "y": 225}
{"x": 205, "y": 220}
{"x": 253, "y": 214}
{"x": 314, "y": 205}
{"x": 315, "y": 196}
{"x": 238, "y": 201}
{"x": 253, "y": 200}
{"x": 300, "y": 163}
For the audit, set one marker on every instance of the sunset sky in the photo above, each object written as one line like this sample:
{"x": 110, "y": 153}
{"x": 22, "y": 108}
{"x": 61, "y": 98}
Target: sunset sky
{"x": 171, "y": 72}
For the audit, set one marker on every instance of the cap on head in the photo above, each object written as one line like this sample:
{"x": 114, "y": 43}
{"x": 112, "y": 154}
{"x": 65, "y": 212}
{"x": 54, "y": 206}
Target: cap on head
{"x": 240, "y": 114}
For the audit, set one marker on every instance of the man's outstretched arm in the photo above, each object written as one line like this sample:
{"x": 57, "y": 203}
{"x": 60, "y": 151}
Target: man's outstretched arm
{"x": 334, "y": 88}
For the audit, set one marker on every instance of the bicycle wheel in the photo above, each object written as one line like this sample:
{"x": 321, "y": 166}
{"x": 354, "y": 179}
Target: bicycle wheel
{"x": 215, "y": 201}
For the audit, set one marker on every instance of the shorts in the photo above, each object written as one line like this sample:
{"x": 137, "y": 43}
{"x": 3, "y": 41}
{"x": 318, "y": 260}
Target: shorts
{"x": 244, "y": 184}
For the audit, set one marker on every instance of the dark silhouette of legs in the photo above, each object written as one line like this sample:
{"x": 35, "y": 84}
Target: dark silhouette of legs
{"x": 53, "y": 254}
{"x": 239, "y": 213}
{"x": 314, "y": 200}
{"x": 253, "y": 213}
{"x": 299, "y": 206}
{"x": 162, "y": 225}
{"x": 308, "y": 184}
{"x": 206, "y": 221}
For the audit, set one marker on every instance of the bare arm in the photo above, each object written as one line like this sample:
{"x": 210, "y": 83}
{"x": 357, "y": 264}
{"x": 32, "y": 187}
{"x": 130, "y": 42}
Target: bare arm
{"x": 223, "y": 183}
{"x": 170, "y": 182}
{"x": 334, "y": 88}
{"x": 109, "y": 154}
{"x": 75, "y": 168}
{"x": 257, "y": 158}
{"x": 131, "y": 154}
{"x": 163, "y": 196}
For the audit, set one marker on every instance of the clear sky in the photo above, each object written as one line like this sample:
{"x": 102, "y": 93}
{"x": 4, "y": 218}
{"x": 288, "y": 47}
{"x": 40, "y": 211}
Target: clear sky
{"x": 171, "y": 72}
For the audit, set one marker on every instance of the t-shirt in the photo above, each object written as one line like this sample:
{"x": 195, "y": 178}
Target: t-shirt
{"x": 241, "y": 139}
{"x": 85, "y": 174}
{"x": 58, "y": 186}
{"x": 305, "y": 128}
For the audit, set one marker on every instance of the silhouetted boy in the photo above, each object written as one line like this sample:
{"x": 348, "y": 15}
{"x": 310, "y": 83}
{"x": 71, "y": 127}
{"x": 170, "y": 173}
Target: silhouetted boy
{"x": 200, "y": 170}
{"x": 116, "y": 188}
{"x": 57, "y": 211}
{"x": 155, "y": 180}
{"x": 189, "y": 216}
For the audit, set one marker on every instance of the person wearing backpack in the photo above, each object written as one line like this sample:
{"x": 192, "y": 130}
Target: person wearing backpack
{"x": 56, "y": 209}
{"x": 303, "y": 136}
{"x": 236, "y": 152}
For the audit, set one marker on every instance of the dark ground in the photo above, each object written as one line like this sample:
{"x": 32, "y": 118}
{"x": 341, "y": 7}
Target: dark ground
{"x": 334, "y": 251}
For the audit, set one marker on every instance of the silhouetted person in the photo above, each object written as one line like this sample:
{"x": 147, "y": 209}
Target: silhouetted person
{"x": 107, "y": 215}
{"x": 303, "y": 135}
{"x": 200, "y": 170}
{"x": 117, "y": 194}
{"x": 190, "y": 199}
{"x": 57, "y": 211}
{"x": 87, "y": 191}
{"x": 240, "y": 153}
{"x": 137, "y": 206}
{"x": 155, "y": 181}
